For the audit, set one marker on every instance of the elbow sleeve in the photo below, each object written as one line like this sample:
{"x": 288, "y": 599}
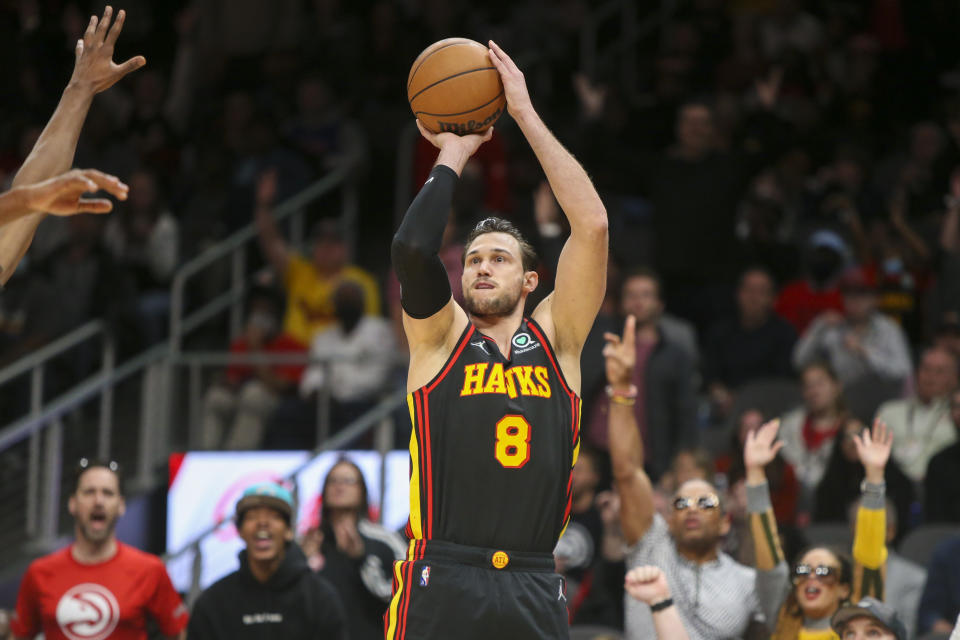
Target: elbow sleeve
{"x": 424, "y": 286}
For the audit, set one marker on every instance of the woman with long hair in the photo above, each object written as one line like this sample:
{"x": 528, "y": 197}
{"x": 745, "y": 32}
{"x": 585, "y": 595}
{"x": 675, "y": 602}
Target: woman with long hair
{"x": 810, "y": 430}
{"x": 822, "y": 580}
{"x": 351, "y": 552}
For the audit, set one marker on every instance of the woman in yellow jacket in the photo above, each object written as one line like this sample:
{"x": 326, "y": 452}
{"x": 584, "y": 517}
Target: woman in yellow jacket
{"x": 799, "y": 608}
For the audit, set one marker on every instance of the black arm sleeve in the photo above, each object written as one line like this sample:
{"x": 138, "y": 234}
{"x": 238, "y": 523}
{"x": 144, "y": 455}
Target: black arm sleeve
{"x": 424, "y": 287}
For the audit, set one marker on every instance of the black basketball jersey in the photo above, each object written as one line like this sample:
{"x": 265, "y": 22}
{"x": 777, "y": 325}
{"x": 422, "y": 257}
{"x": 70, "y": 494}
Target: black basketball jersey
{"x": 493, "y": 444}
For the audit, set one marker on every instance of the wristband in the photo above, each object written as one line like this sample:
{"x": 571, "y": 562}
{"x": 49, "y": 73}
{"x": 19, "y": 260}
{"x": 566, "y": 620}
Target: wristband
{"x": 630, "y": 394}
{"x": 660, "y": 606}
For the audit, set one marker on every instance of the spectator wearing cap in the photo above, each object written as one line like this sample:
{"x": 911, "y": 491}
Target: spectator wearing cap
{"x": 942, "y": 482}
{"x": 859, "y": 342}
{"x": 309, "y": 283}
{"x": 921, "y": 424}
{"x": 273, "y": 594}
{"x": 235, "y": 409}
{"x": 816, "y": 292}
{"x": 868, "y": 618}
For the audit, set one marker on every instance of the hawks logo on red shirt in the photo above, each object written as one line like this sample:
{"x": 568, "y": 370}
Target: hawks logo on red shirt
{"x": 88, "y": 612}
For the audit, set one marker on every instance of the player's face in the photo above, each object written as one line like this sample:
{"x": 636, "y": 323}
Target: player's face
{"x": 97, "y": 505}
{"x": 265, "y": 532}
{"x": 697, "y": 527}
{"x": 641, "y": 299}
{"x": 818, "y": 596}
{"x": 865, "y": 629}
{"x": 493, "y": 277}
{"x": 344, "y": 488}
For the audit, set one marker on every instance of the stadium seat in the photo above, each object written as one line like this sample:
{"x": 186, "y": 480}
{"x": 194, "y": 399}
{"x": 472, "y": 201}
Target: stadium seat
{"x": 919, "y": 544}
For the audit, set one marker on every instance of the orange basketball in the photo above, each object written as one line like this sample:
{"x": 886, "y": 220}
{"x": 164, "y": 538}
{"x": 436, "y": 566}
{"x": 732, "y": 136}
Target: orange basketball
{"x": 454, "y": 87}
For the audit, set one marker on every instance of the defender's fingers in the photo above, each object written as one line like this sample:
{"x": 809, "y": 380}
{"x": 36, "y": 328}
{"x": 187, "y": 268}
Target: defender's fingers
{"x": 104, "y": 25}
{"x": 114, "y": 32}
{"x": 94, "y": 205}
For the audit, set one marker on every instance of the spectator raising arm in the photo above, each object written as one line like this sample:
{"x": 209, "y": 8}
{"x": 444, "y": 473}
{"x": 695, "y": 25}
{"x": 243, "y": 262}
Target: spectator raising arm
{"x": 274, "y": 247}
{"x": 626, "y": 448}
{"x": 94, "y": 71}
{"x": 649, "y": 585}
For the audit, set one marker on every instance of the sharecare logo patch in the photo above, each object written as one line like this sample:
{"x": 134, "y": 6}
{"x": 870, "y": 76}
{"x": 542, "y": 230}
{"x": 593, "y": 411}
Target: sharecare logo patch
{"x": 88, "y": 612}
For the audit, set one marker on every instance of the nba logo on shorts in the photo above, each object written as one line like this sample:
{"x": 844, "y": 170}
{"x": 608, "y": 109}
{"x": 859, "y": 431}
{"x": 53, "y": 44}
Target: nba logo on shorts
{"x": 425, "y": 576}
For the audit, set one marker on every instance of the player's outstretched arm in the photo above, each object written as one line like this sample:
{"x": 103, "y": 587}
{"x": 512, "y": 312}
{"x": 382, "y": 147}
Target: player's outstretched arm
{"x": 94, "y": 71}
{"x": 431, "y": 318}
{"x": 626, "y": 447}
{"x": 582, "y": 269}
{"x": 648, "y": 584}
{"x": 62, "y": 195}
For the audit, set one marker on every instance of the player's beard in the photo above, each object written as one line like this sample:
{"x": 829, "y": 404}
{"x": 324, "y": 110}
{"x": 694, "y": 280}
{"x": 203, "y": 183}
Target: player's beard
{"x": 500, "y": 306}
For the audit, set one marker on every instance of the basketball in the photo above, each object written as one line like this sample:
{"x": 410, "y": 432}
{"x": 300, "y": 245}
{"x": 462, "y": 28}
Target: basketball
{"x": 453, "y": 86}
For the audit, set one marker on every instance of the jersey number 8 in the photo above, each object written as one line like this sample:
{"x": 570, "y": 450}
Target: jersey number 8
{"x": 513, "y": 442}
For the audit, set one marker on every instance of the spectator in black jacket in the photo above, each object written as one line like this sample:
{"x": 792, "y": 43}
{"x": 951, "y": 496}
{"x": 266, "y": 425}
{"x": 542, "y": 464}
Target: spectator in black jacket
{"x": 942, "y": 482}
{"x": 273, "y": 594}
{"x": 756, "y": 343}
{"x": 354, "y": 554}
{"x": 665, "y": 408}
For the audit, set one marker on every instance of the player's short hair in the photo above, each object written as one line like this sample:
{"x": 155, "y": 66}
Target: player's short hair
{"x": 498, "y": 225}
{"x": 86, "y": 464}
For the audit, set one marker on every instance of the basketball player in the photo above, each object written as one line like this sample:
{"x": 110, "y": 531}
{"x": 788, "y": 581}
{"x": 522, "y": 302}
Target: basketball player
{"x": 493, "y": 399}
{"x": 94, "y": 71}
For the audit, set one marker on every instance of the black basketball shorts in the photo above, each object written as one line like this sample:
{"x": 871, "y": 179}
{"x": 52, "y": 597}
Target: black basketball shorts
{"x": 446, "y": 591}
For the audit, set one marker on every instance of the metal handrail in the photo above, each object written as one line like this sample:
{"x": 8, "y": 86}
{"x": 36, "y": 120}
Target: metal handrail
{"x": 236, "y": 242}
{"x": 354, "y": 430}
{"x": 81, "y": 392}
{"x": 51, "y": 350}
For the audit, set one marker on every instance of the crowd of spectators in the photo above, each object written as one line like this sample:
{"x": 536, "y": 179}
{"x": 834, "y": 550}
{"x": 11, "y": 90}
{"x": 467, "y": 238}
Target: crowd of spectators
{"x": 782, "y": 179}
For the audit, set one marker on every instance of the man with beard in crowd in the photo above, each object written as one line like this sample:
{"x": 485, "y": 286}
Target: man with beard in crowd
{"x": 97, "y": 586}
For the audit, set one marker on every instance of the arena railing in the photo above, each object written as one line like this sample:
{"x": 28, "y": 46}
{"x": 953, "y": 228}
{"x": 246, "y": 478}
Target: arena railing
{"x": 376, "y": 418}
{"x": 64, "y": 420}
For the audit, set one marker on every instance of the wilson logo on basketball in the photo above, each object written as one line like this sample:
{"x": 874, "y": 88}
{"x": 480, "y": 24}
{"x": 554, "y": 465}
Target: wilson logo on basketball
{"x": 88, "y": 612}
{"x": 461, "y": 128}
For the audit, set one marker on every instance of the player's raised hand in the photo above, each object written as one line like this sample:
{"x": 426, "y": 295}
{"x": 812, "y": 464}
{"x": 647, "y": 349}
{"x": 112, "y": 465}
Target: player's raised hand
{"x": 761, "y": 446}
{"x": 648, "y": 584}
{"x": 63, "y": 194}
{"x": 514, "y": 85}
{"x": 621, "y": 354}
{"x": 94, "y": 68}
{"x": 873, "y": 449}
{"x": 455, "y": 150}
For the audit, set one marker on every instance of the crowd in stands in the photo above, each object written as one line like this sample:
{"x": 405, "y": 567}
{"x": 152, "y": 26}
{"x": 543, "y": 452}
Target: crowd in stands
{"x": 782, "y": 179}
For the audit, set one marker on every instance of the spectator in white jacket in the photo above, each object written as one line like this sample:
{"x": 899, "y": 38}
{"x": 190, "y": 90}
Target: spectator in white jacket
{"x": 859, "y": 342}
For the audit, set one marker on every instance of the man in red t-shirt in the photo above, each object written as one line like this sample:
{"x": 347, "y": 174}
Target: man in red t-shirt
{"x": 97, "y": 587}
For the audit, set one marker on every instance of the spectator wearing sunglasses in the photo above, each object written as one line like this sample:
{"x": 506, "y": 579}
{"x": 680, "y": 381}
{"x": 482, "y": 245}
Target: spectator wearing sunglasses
{"x": 823, "y": 580}
{"x": 714, "y": 595}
